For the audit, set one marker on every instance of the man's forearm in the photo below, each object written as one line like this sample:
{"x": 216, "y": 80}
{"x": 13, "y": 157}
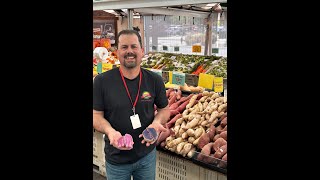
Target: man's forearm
{"x": 163, "y": 115}
{"x": 102, "y": 125}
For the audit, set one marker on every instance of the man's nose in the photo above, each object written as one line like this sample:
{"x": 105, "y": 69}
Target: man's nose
{"x": 129, "y": 50}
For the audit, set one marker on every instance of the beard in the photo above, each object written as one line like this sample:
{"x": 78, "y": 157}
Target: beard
{"x": 131, "y": 64}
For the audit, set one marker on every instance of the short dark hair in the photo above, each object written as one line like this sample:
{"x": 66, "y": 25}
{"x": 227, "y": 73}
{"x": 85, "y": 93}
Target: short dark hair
{"x": 129, "y": 31}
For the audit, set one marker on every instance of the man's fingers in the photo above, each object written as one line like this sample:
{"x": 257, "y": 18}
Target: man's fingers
{"x": 161, "y": 128}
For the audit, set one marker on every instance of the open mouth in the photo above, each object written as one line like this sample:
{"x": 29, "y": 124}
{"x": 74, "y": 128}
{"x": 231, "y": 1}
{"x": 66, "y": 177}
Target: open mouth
{"x": 130, "y": 56}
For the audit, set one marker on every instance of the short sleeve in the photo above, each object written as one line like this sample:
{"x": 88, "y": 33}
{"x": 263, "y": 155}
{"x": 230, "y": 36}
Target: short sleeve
{"x": 161, "y": 99}
{"x": 97, "y": 94}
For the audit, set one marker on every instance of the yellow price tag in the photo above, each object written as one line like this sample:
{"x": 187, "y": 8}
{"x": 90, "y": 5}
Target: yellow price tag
{"x": 218, "y": 84}
{"x": 206, "y": 80}
{"x": 170, "y": 77}
{"x": 196, "y": 48}
{"x": 106, "y": 67}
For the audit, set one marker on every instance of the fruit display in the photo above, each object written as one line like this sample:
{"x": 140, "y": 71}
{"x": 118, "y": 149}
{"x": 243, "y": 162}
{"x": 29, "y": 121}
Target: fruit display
{"x": 104, "y": 56}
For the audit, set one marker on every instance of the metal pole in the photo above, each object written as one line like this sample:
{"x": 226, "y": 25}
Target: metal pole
{"x": 208, "y": 42}
{"x": 130, "y": 18}
{"x": 214, "y": 20}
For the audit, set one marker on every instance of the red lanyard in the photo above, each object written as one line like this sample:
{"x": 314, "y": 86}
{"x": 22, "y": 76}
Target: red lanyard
{"x": 137, "y": 97}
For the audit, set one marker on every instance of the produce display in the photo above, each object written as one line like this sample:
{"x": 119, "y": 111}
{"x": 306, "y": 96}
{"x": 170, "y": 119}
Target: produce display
{"x": 198, "y": 124}
{"x": 105, "y": 56}
{"x": 185, "y": 88}
{"x": 197, "y": 128}
{"x": 191, "y": 64}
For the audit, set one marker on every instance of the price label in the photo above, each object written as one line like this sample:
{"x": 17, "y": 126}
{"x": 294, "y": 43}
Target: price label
{"x": 106, "y": 67}
{"x": 206, "y": 81}
{"x": 99, "y": 67}
{"x": 157, "y": 71}
{"x": 196, "y": 48}
{"x": 218, "y": 84}
{"x": 215, "y": 50}
{"x": 178, "y": 78}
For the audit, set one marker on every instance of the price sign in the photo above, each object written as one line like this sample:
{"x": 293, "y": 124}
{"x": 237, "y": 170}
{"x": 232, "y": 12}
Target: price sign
{"x": 218, "y": 84}
{"x": 178, "y": 78}
{"x": 206, "y": 80}
{"x": 99, "y": 67}
{"x": 106, "y": 67}
{"x": 157, "y": 71}
{"x": 215, "y": 50}
{"x": 196, "y": 48}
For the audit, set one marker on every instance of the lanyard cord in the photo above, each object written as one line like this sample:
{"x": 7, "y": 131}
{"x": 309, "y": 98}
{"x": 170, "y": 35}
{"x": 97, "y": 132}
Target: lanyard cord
{"x": 125, "y": 85}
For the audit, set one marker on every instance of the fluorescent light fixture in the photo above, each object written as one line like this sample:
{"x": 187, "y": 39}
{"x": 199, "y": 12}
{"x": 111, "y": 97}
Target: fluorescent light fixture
{"x": 206, "y": 7}
{"x": 110, "y": 11}
{"x": 211, "y": 5}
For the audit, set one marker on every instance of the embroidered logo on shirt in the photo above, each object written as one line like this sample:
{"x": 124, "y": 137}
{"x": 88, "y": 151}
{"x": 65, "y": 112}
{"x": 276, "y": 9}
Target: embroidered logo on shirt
{"x": 145, "y": 95}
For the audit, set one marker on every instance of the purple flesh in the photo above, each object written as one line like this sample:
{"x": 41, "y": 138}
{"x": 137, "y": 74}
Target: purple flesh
{"x": 125, "y": 141}
{"x": 150, "y": 134}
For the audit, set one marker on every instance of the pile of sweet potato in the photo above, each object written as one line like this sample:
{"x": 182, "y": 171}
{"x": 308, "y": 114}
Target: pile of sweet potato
{"x": 213, "y": 144}
{"x": 192, "y": 123}
{"x": 177, "y": 105}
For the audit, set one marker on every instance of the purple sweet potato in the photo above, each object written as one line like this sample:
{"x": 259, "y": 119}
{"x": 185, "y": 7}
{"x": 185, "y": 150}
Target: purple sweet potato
{"x": 125, "y": 141}
{"x": 150, "y": 135}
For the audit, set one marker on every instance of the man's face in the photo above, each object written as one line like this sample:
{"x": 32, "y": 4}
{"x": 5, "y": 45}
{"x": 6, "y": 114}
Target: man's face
{"x": 129, "y": 51}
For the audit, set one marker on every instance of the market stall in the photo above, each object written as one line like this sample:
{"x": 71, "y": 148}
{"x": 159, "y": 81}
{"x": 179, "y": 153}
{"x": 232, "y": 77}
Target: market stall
{"x": 195, "y": 143}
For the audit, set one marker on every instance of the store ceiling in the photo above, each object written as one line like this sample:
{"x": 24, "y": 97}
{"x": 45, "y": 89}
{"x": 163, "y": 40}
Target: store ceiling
{"x": 199, "y": 8}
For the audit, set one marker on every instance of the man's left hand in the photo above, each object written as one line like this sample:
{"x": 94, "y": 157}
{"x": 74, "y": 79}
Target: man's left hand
{"x": 158, "y": 127}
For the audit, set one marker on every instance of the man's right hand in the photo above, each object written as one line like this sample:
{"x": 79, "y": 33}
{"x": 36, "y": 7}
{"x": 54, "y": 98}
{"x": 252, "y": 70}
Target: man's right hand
{"x": 114, "y": 136}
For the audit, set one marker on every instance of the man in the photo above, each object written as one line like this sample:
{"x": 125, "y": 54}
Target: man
{"x": 123, "y": 103}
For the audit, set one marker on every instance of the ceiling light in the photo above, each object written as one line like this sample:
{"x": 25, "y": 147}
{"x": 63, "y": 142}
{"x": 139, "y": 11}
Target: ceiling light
{"x": 211, "y": 5}
{"x": 206, "y": 7}
{"x": 110, "y": 11}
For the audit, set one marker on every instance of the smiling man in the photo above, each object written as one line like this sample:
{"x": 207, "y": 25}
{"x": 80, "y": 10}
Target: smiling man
{"x": 123, "y": 104}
